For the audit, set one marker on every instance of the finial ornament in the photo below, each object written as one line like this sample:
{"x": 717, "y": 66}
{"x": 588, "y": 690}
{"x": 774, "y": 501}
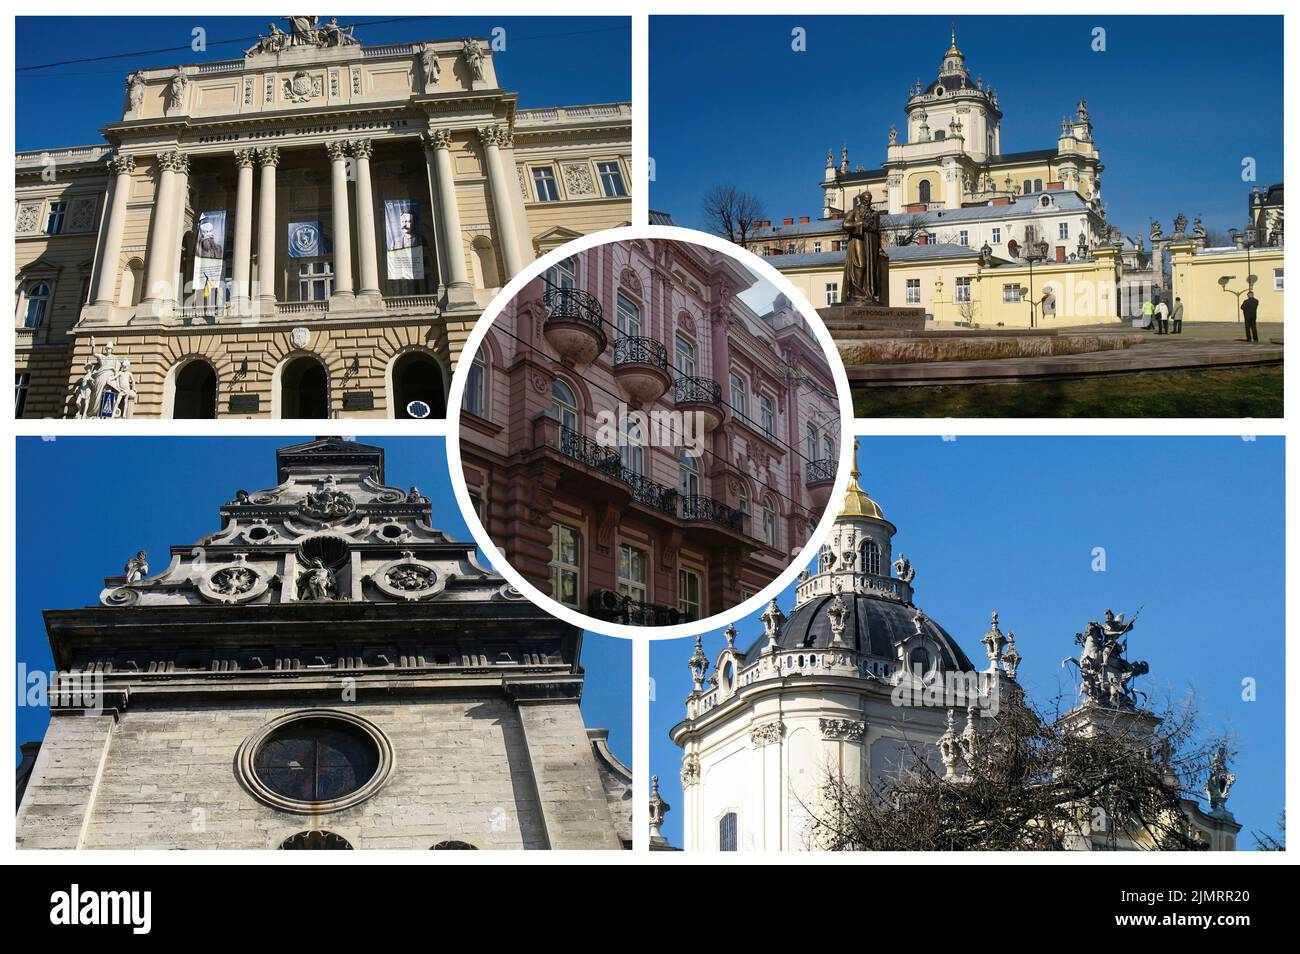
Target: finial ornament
{"x": 1220, "y": 782}
{"x": 730, "y": 633}
{"x": 994, "y": 642}
{"x": 699, "y": 664}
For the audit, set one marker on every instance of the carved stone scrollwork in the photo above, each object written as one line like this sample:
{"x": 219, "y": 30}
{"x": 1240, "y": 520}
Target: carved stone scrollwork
{"x": 847, "y": 730}
{"x": 768, "y": 733}
{"x": 690, "y": 771}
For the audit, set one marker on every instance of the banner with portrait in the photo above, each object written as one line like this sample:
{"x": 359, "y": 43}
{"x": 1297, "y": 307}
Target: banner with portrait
{"x": 402, "y": 238}
{"x": 209, "y": 252}
{"x": 306, "y": 240}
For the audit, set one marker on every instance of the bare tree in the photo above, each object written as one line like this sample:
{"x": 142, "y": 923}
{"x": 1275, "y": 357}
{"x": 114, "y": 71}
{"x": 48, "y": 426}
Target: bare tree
{"x": 1217, "y": 238}
{"x": 1265, "y": 841}
{"x": 910, "y": 230}
{"x": 732, "y": 214}
{"x": 1031, "y": 783}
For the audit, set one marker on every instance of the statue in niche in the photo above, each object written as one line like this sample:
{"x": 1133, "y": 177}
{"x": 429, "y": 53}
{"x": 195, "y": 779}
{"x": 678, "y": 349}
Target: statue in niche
{"x": 316, "y": 582}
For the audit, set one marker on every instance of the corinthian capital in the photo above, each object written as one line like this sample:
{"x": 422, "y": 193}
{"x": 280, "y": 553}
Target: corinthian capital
{"x": 122, "y": 165}
{"x": 173, "y": 161}
{"x": 495, "y": 135}
{"x": 268, "y": 156}
{"x": 361, "y": 148}
{"x": 337, "y": 149}
{"x": 244, "y": 158}
{"x": 438, "y": 139}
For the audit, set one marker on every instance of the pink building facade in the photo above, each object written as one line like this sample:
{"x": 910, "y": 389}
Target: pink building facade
{"x": 643, "y": 445}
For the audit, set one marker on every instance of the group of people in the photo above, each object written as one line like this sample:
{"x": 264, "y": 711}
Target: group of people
{"x": 1158, "y": 316}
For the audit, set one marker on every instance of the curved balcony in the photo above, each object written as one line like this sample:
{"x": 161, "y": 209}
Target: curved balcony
{"x": 819, "y": 478}
{"x": 574, "y": 326}
{"x": 641, "y": 369}
{"x": 710, "y": 510}
{"x": 616, "y": 608}
{"x": 700, "y": 396}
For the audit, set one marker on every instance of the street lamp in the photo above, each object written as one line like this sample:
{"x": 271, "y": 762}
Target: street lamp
{"x": 1034, "y": 252}
{"x": 1245, "y": 238}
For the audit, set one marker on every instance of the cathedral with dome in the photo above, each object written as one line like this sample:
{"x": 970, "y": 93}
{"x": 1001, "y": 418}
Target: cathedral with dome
{"x": 327, "y": 670}
{"x": 854, "y": 684}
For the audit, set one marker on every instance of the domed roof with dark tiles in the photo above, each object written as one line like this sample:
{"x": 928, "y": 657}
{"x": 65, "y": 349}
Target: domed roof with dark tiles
{"x": 872, "y": 625}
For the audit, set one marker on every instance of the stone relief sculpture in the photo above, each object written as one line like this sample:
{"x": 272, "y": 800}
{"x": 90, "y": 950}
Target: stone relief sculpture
{"x": 328, "y": 503}
{"x": 137, "y": 568}
{"x": 472, "y": 54}
{"x": 233, "y": 580}
{"x": 176, "y": 91}
{"x": 106, "y": 387}
{"x": 316, "y": 582}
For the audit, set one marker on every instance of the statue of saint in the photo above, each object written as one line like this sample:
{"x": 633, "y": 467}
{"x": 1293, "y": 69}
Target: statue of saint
{"x": 137, "y": 568}
{"x": 316, "y": 582}
{"x": 865, "y": 265}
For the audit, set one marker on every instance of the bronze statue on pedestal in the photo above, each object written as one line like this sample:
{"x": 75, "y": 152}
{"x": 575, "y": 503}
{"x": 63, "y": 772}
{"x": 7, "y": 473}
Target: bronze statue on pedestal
{"x": 866, "y": 267}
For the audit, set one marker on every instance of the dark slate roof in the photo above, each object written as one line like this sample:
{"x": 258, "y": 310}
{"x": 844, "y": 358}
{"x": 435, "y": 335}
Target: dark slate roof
{"x": 897, "y": 253}
{"x": 858, "y": 176}
{"x": 1028, "y": 155}
{"x": 872, "y": 626}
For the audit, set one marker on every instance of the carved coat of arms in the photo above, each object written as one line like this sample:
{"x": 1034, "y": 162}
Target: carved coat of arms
{"x": 301, "y": 87}
{"x": 327, "y": 505}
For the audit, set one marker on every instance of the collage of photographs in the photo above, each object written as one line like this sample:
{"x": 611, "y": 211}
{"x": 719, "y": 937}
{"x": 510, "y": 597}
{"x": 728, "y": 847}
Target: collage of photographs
{"x": 649, "y": 432}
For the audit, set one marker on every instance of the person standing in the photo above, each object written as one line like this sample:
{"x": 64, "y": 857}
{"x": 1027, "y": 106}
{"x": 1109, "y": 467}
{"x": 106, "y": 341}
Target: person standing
{"x": 1149, "y": 314}
{"x": 1162, "y": 318}
{"x": 1176, "y": 316}
{"x": 1249, "y": 311}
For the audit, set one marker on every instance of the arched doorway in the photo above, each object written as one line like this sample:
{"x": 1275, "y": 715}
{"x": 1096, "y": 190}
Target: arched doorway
{"x": 417, "y": 380}
{"x": 304, "y": 389}
{"x": 196, "y": 391}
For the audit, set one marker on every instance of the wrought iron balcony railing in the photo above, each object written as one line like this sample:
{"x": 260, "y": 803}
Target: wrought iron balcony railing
{"x": 816, "y": 471}
{"x": 697, "y": 507}
{"x": 654, "y": 495}
{"x": 584, "y": 449}
{"x": 570, "y": 304}
{"x": 617, "y": 608}
{"x": 693, "y": 390}
{"x": 634, "y": 350}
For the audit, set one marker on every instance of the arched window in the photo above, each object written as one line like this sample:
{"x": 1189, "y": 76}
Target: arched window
{"x": 769, "y": 522}
{"x": 688, "y": 481}
{"x": 810, "y": 441}
{"x": 313, "y": 760}
{"x": 564, "y": 406}
{"x": 870, "y": 557}
{"x": 315, "y": 841}
{"x": 743, "y": 503}
{"x": 417, "y": 387}
{"x": 825, "y": 559}
{"x": 38, "y": 303}
{"x": 628, "y": 317}
{"x": 563, "y": 274}
{"x": 454, "y": 846}
{"x": 739, "y": 398}
{"x": 727, "y": 840}
{"x": 923, "y": 190}
{"x": 1029, "y": 187}
{"x": 132, "y": 283}
{"x": 631, "y": 451}
{"x": 475, "y": 399}
{"x": 1038, "y": 185}
{"x": 196, "y": 392}
{"x": 304, "y": 389}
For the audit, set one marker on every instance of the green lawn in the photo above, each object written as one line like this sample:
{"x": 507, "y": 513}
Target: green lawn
{"x": 1233, "y": 392}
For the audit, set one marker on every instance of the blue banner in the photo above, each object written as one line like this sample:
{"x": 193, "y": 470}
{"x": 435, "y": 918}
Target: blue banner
{"x": 306, "y": 240}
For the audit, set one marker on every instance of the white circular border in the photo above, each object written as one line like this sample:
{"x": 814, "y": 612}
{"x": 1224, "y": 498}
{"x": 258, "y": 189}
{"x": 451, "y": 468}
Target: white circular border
{"x": 755, "y": 264}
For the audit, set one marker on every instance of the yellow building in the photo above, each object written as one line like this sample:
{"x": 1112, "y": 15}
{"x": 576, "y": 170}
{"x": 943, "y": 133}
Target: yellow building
{"x": 309, "y": 231}
{"x": 1213, "y": 281}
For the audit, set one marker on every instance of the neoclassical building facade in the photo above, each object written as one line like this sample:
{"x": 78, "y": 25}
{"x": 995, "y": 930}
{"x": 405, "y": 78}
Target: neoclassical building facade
{"x": 855, "y": 684}
{"x": 642, "y": 445}
{"x": 309, "y": 231}
{"x": 325, "y": 670}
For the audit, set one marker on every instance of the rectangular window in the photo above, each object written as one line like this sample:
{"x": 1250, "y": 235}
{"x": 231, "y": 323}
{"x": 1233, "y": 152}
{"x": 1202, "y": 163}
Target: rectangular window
{"x": 315, "y": 280}
{"x": 963, "y": 237}
{"x": 727, "y": 832}
{"x": 738, "y": 400}
{"x": 914, "y": 291}
{"x": 688, "y": 593}
{"x": 633, "y": 572}
{"x": 54, "y": 221}
{"x": 611, "y": 179}
{"x": 566, "y": 564}
{"x": 21, "y": 383}
{"x": 1011, "y": 294}
{"x": 767, "y": 414}
{"x": 817, "y": 247}
{"x": 628, "y": 319}
{"x": 997, "y": 236}
{"x": 963, "y": 289}
{"x": 1063, "y": 231}
{"x": 475, "y": 393}
{"x": 544, "y": 184}
{"x": 832, "y": 293}
{"x": 789, "y": 248}
{"x": 1277, "y": 279}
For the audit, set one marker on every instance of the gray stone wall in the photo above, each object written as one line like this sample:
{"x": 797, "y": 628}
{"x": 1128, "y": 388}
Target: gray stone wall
{"x": 463, "y": 769}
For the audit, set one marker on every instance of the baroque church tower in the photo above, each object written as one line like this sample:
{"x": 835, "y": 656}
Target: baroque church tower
{"x": 326, "y": 670}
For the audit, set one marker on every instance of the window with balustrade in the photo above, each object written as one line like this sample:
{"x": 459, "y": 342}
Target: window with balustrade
{"x": 627, "y": 317}
{"x": 315, "y": 280}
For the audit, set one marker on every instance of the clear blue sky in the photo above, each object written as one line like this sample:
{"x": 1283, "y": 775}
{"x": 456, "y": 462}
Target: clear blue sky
{"x": 89, "y": 503}
{"x": 548, "y": 61}
{"x": 1176, "y": 101}
{"x": 1194, "y": 534}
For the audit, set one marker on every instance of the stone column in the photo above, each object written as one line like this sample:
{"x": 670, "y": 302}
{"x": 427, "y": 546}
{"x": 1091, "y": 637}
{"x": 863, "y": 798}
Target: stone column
{"x": 162, "y": 231}
{"x": 109, "y": 266}
{"x": 182, "y": 197}
{"x": 452, "y": 254}
{"x": 367, "y": 255}
{"x": 493, "y": 138}
{"x": 240, "y": 268}
{"x": 342, "y": 228}
{"x": 268, "y": 159}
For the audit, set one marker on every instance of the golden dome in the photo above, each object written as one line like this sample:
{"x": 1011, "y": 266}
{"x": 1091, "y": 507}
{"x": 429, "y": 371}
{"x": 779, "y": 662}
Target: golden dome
{"x": 856, "y": 501}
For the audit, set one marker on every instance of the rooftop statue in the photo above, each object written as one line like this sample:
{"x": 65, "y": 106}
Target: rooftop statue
{"x": 1105, "y": 676}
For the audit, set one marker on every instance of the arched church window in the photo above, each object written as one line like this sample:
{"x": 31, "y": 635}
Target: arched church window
{"x": 923, "y": 190}
{"x": 727, "y": 832}
{"x": 870, "y": 557}
{"x": 316, "y": 760}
